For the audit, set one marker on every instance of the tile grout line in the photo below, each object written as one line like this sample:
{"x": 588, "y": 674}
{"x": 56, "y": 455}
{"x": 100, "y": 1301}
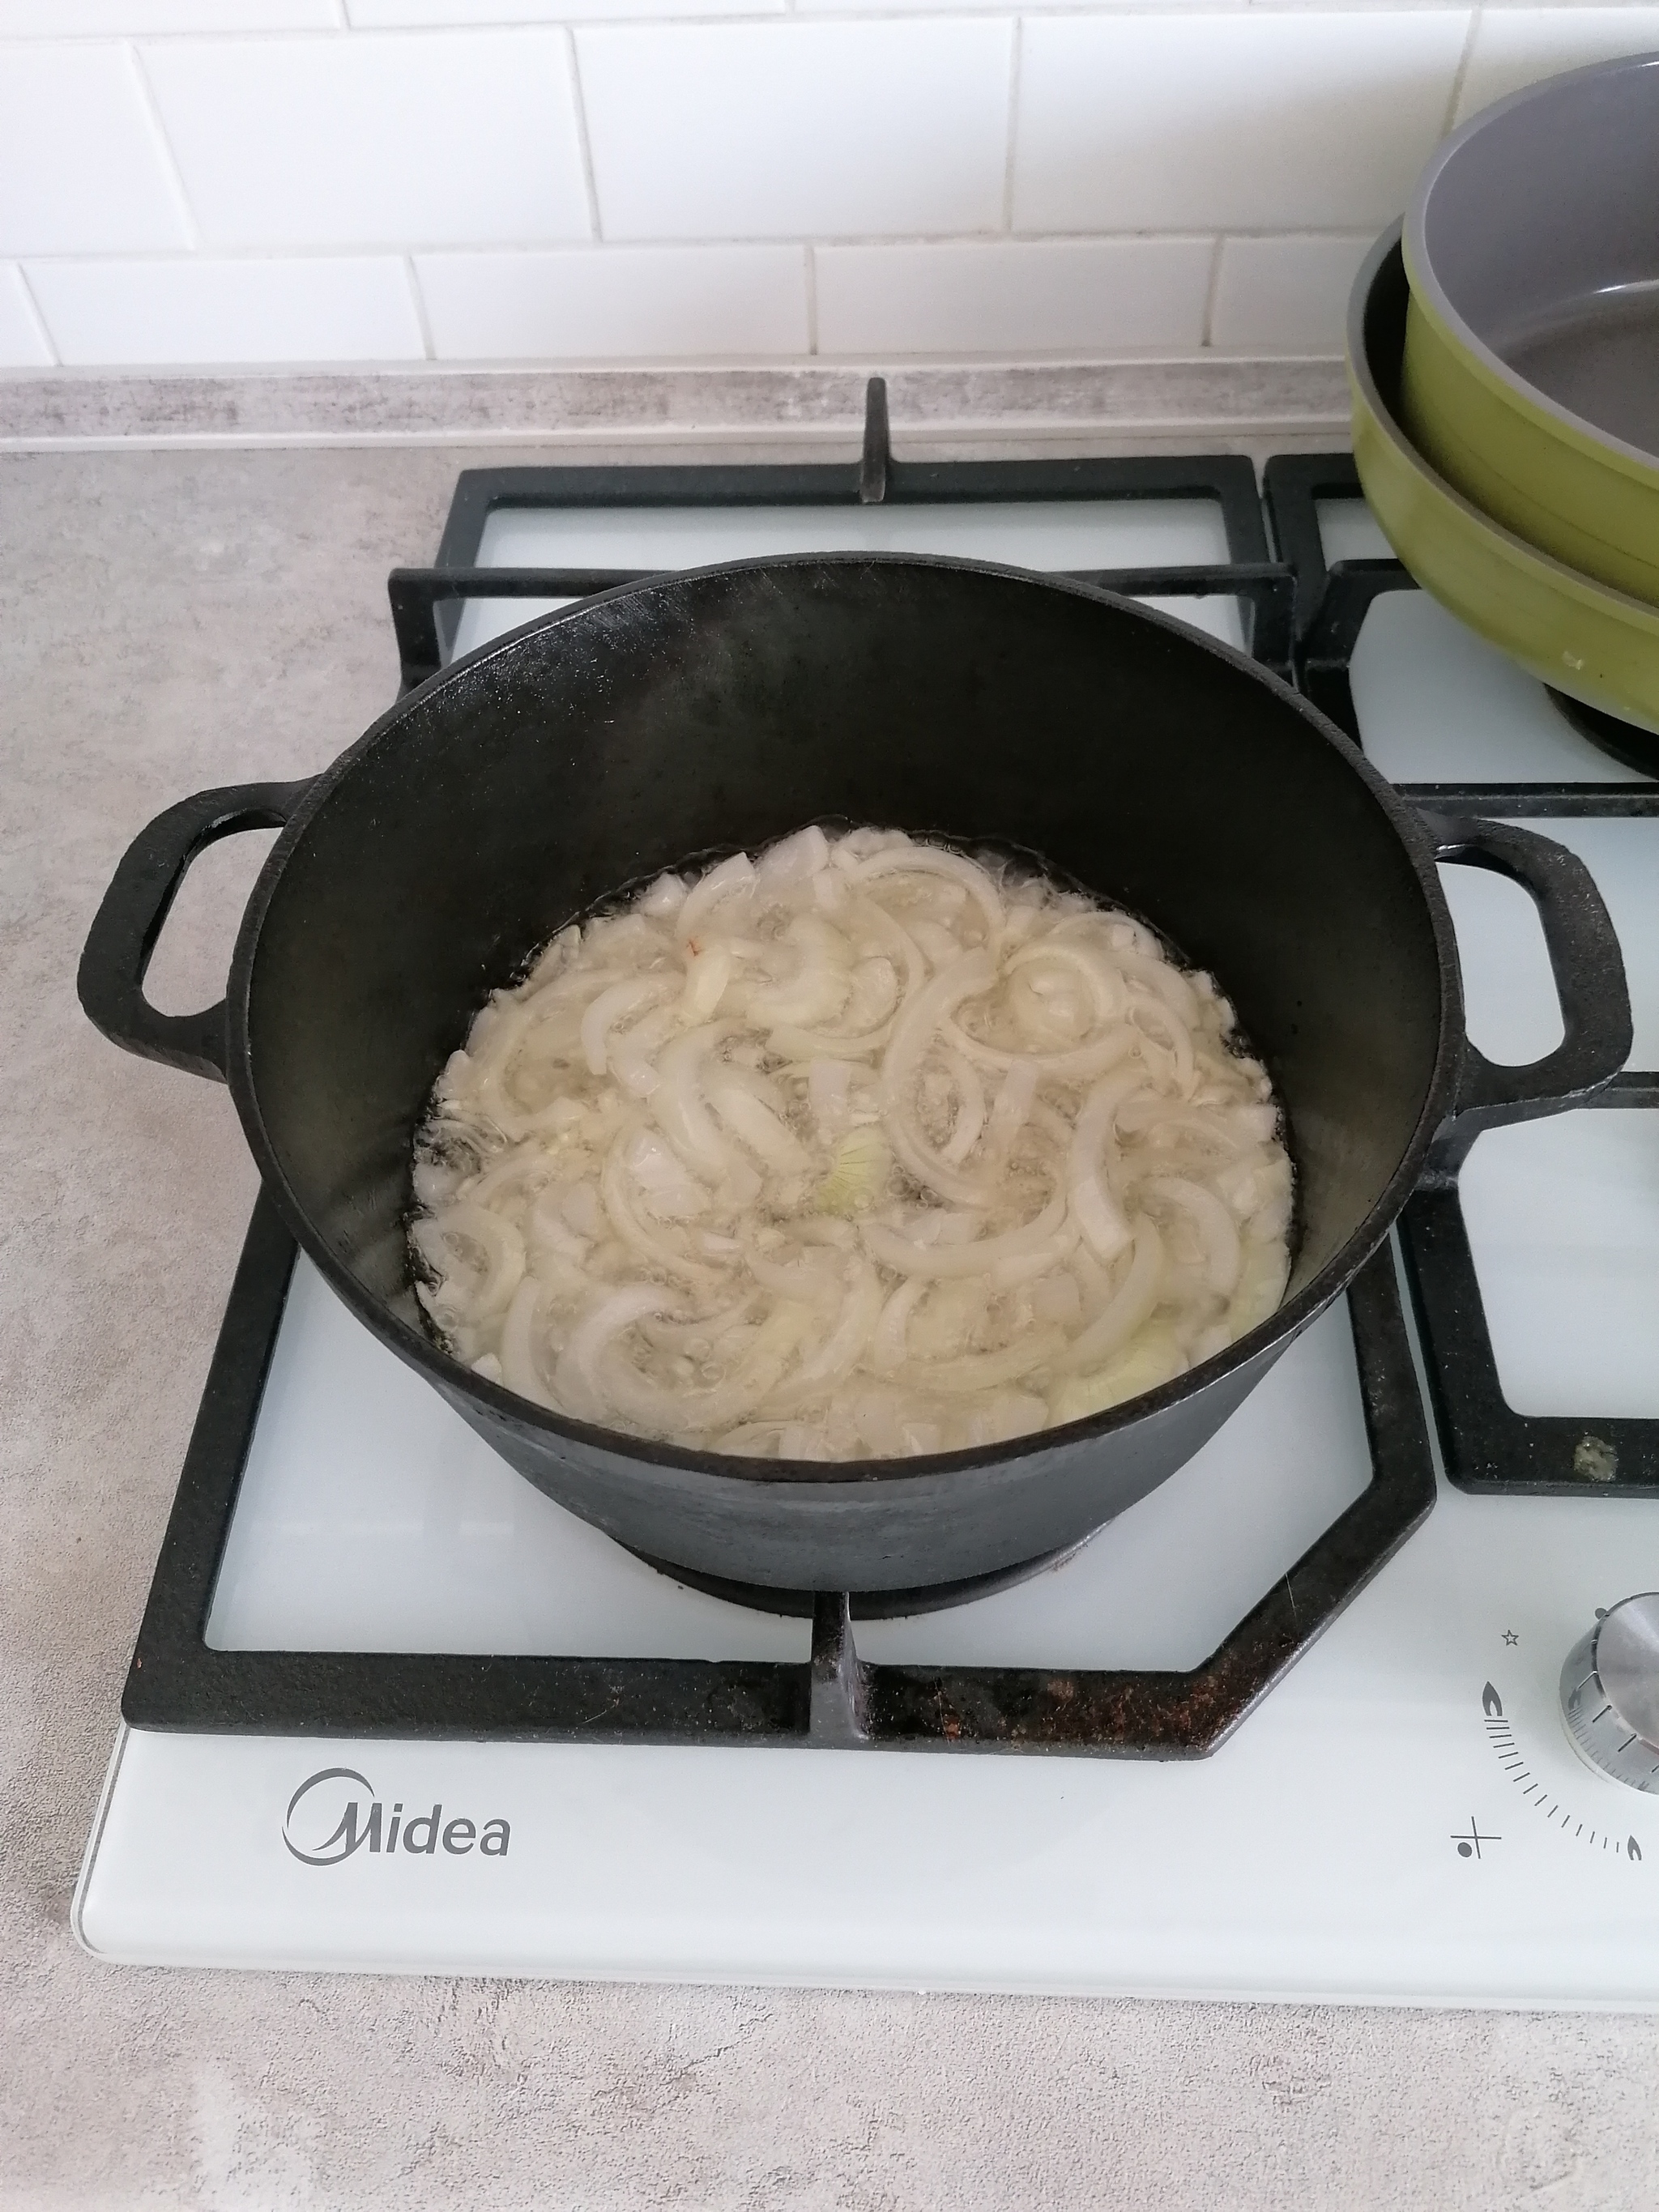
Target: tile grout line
{"x": 1461, "y": 72}
{"x": 42, "y": 327}
{"x": 584, "y": 143}
{"x": 417, "y": 297}
{"x": 911, "y": 11}
{"x": 619, "y": 249}
{"x": 169, "y": 159}
{"x": 1206, "y": 329}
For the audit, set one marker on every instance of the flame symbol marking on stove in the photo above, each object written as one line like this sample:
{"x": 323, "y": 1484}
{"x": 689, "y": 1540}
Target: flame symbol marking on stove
{"x": 1491, "y": 1704}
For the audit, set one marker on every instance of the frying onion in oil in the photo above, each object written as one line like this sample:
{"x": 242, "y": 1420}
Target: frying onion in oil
{"x": 856, "y": 1149}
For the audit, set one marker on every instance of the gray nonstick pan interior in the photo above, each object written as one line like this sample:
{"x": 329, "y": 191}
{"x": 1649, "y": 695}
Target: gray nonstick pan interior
{"x": 1537, "y": 228}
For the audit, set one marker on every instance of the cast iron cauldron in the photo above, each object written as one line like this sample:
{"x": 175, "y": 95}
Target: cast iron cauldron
{"x": 725, "y": 707}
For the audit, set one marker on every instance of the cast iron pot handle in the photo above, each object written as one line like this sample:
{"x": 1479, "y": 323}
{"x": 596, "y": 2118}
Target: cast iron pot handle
{"x": 126, "y": 926}
{"x": 1590, "y": 978}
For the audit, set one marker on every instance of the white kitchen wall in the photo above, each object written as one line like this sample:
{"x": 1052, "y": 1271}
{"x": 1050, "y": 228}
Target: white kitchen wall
{"x": 326, "y": 182}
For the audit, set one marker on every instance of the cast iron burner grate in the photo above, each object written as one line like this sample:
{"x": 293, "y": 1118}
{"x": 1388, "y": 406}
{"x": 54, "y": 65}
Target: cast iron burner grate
{"x": 177, "y": 1681}
{"x": 1488, "y": 1446}
{"x": 426, "y": 603}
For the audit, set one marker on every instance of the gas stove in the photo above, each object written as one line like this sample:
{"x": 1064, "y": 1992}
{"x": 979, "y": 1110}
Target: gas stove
{"x": 1295, "y": 1726}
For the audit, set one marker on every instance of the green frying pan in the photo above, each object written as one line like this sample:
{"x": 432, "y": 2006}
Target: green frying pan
{"x": 1595, "y": 644}
{"x": 1531, "y": 376}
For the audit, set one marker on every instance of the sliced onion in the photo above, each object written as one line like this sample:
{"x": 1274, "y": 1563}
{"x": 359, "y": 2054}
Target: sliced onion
{"x": 615, "y": 1006}
{"x": 771, "y": 1157}
{"x": 666, "y": 1186}
{"x": 790, "y": 1043}
{"x": 955, "y": 867}
{"x": 1005, "y": 1414}
{"x": 1262, "y": 1278}
{"x": 841, "y": 1350}
{"x": 633, "y": 1056}
{"x": 1101, "y": 975}
{"x": 1100, "y": 1217}
{"x": 1055, "y": 1297}
{"x": 1079, "y": 1064}
{"x": 868, "y": 920}
{"x": 1046, "y": 1234}
{"x": 1129, "y": 1306}
{"x": 989, "y": 1370}
{"x": 1215, "y": 1227}
{"x": 660, "y": 1412}
{"x": 819, "y": 988}
{"x": 750, "y": 1119}
{"x": 518, "y": 1354}
{"x": 654, "y": 1246}
{"x": 678, "y": 1103}
{"x": 461, "y": 1231}
{"x": 720, "y": 883}
{"x": 707, "y": 1329}
{"x": 1166, "y": 981}
{"x": 809, "y": 1279}
{"x": 665, "y": 898}
{"x": 874, "y": 993}
{"x": 786, "y": 869}
{"x": 1011, "y": 1108}
{"x": 577, "y": 1383}
{"x": 549, "y": 1228}
{"x": 1153, "y": 1357}
{"x": 913, "y": 1031}
{"x": 1148, "y": 1011}
{"x": 707, "y": 973}
{"x": 828, "y": 1085}
{"x": 887, "y": 1349}
{"x": 970, "y": 1109}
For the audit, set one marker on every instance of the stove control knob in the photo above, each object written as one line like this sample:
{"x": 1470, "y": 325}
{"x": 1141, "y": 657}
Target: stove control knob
{"x": 1610, "y": 1693}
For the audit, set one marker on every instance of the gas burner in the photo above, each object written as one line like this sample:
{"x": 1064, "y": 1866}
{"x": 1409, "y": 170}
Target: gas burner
{"x": 868, "y": 1605}
{"x": 1626, "y": 742}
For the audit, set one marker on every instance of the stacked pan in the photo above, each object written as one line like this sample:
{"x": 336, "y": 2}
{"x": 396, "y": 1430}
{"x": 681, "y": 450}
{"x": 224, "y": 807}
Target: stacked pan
{"x": 1503, "y": 354}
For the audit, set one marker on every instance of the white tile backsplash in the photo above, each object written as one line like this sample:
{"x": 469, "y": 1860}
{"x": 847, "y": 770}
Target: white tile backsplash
{"x": 328, "y": 309}
{"x": 380, "y": 15}
{"x": 82, "y": 167}
{"x": 469, "y": 138}
{"x": 627, "y": 303}
{"x": 793, "y": 129}
{"x": 1099, "y": 296}
{"x": 1285, "y": 295}
{"x": 1516, "y": 46}
{"x": 708, "y": 180}
{"x": 1255, "y": 121}
{"x": 80, "y": 19}
{"x": 22, "y": 344}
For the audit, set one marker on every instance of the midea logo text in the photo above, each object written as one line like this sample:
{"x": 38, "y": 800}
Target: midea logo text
{"x": 335, "y": 1814}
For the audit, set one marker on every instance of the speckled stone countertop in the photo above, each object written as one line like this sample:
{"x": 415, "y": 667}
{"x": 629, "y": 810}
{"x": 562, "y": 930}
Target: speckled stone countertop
{"x": 176, "y": 619}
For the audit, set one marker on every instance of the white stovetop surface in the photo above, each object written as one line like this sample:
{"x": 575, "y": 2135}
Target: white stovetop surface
{"x": 1315, "y": 1854}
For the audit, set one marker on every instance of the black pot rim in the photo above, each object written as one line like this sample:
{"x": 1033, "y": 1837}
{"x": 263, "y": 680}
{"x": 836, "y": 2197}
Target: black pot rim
{"x": 450, "y": 1376}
